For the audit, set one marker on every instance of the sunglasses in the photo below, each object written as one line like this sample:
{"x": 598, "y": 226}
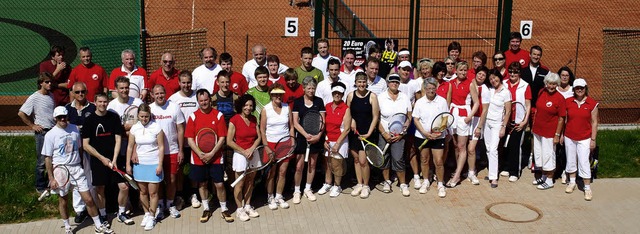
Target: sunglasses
{"x": 46, "y": 82}
{"x": 498, "y": 59}
{"x": 450, "y": 63}
{"x": 80, "y": 92}
{"x": 167, "y": 61}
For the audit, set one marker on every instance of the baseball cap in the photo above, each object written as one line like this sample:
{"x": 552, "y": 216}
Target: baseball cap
{"x": 277, "y": 91}
{"x": 579, "y": 83}
{"x": 393, "y": 78}
{"x": 60, "y": 110}
{"x": 404, "y": 64}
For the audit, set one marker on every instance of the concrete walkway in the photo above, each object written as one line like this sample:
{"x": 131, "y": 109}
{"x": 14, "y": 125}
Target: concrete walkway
{"x": 615, "y": 208}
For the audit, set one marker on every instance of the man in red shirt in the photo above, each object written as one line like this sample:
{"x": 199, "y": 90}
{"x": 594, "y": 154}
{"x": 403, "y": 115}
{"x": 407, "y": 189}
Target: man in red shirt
{"x": 238, "y": 83}
{"x": 58, "y": 68}
{"x": 293, "y": 89}
{"x": 137, "y": 76}
{"x": 514, "y": 53}
{"x": 166, "y": 76}
{"x": 93, "y": 75}
{"x": 207, "y": 166}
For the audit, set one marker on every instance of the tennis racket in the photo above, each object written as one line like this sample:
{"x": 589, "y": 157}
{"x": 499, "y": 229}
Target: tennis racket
{"x": 259, "y": 160}
{"x": 284, "y": 148}
{"x": 130, "y": 115}
{"x": 373, "y": 152}
{"x": 396, "y": 126}
{"x": 134, "y": 90}
{"x": 61, "y": 175}
{"x": 439, "y": 124}
{"x": 518, "y": 112}
{"x": 206, "y": 140}
{"x": 337, "y": 163}
{"x": 312, "y": 124}
{"x": 127, "y": 177}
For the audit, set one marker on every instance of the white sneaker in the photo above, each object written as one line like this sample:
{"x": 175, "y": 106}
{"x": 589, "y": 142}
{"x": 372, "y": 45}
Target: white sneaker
{"x": 364, "y": 194}
{"x": 442, "y": 192}
{"x": 195, "y": 203}
{"x": 405, "y": 190}
{"x": 144, "y": 221}
{"x": 309, "y": 194}
{"x": 68, "y": 230}
{"x": 241, "y": 215}
{"x": 251, "y": 212}
{"x": 335, "y": 191}
{"x": 356, "y": 190}
{"x": 588, "y": 195}
{"x": 563, "y": 178}
{"x": 283, "y": 204}
{"x": 150, "y": 224}
{"x": 513, "y": 178}
{"x": 474, "y": 180}
{"x": 424, "y": 188}
{"x": 570, "y": 188}
{"x": 417, "y": 184}
{"x": 325, "y": 188}
{"x": 272, "y": 203}
{"x": 174, "y": 212}
{"x": 504, "y": 173}
{"x": 159, "y": 214}
{"x": 102, "y": 229}
{"x": 296, "y": 197}
{"x": 386, "y": 186}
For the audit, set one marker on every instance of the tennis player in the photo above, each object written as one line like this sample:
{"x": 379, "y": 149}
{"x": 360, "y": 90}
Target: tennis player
{"x": 365, "y": 112}
{"x": 275, "y": 123}
{"x": 243, "y": 138}
{"x": 207, "y": 166}
{"x": 520, "y": 92}
{"x": 260, "y": 92}
{"x": 481, "y": 81}
{"x": 148, "y": 138}
{"x": 63, "y": 146}
{"x": 337, "y": 123}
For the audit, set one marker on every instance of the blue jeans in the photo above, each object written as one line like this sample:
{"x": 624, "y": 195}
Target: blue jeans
{"x": 42, "y": 181}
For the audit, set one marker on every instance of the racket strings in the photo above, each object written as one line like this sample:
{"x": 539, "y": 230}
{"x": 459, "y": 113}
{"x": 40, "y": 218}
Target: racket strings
{"x": 311, "y": 123}
{"x": 374, "y": 155}
{"x": 396, "y": 123}
{"x": 284, "y": 148}
{"x": 206, "y": 141}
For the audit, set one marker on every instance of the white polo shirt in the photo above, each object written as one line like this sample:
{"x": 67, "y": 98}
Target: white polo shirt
{"x": 495, "y": 99}
{"x": 322, "y": 63}
{"x": 378, "y": 85}
{"x": 204, "y": 77}
{"x": 323, "y": 90}
{"x": 390, "y": 107}
{"x": 168, "y": 117}
{"x": 146, "y": 142}
{"x": 426, "y": 110}
{"x": 349, "y": 77}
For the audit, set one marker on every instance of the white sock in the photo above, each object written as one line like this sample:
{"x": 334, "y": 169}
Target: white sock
{"x": 471, "y": 173}
{"x": 96, "y": 221}
{"x": 587, "y": 187}
{"x": 572, "y": 180}
{"x": 416, "y": 176}
{"x": 440, "y": 184}
{"x": 121, "y": 209}
{"x": 103, "y": 211}
{"x": 296, "y": 189}
{"x": 307, "y": 186}
{"x": 205, "y": 204}
{"x": 148, "y": 214}
{"x": 549, "y": 181}
{"x": 278, "y": 196}
{"x": 388, "y": 181}
{"x": 66, "y": 223}
{"x": 223, "y": 206}
{"x": 170, "y": 203}
{"x": 270, "y": 196}
{"x": 246, "y": 207}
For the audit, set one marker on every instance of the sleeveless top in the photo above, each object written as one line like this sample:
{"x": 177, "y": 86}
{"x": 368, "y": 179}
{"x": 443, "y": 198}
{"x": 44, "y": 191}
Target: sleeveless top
{"x": 225, "y": 106}
{"x": 361, "y": 109}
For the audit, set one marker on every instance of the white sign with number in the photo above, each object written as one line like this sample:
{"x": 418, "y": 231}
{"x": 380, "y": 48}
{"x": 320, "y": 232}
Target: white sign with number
{"x": 291, "y": 27}
{"x": 526, "y": 27}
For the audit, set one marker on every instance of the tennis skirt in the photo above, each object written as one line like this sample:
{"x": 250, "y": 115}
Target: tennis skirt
{"x": 240, "y": 162}
{"x": 147, "y": 173}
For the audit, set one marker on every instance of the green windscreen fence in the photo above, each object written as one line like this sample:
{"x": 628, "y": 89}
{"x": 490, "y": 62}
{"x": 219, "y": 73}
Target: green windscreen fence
{"x": 29, "y": 28}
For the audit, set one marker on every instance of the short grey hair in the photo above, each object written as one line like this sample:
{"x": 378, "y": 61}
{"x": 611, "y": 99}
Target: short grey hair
{"x": 309, "y": 81}
{"x": 552, "y": 78}
{"x": 127, "y": 51}
{"x": 428, "y": 81}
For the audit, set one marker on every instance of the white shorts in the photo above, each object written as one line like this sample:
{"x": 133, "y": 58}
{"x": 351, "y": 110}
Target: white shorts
{"x": 544, "y": 153}
{"x": 475, "y": 121}
{"x": 343, "y": 150}
{"x": 460, "y": 127}
{"x": 240, "y": 162}
{"x": 77, "y": 179}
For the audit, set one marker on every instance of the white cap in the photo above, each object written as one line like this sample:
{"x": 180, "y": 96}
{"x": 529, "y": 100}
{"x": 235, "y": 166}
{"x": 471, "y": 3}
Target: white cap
{"x": 404, "y": 64}
{"x": 337, "y": 89}
{"x": 60, "y": 110}
{"x": 579, "y": 83}
{"x": 404, "y": 52}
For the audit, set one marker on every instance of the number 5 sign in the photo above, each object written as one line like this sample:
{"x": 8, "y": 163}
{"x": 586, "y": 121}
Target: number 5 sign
{"x": 291, "y": 27}
{"x": 526, "y": 26}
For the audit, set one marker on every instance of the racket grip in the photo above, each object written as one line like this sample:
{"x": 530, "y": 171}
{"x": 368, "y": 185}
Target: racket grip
{"x": 306, "y": 155}
{"x": 43, "y": 195}
{"x": 506, "y": 141}
{"x": 237, "y": 180}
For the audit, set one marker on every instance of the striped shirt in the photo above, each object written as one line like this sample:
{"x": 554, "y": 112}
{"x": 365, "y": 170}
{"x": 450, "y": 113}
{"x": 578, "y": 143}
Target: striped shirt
{"x": 41, "y": 106}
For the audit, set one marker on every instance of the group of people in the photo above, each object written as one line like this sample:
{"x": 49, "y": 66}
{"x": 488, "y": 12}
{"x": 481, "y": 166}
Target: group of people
{"x": 267, "y": 102}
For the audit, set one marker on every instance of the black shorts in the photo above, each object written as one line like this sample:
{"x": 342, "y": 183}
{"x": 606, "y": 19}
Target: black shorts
{"x": 102, "y": 175}
{"x": 201, "y": 173}
{"x": 355, "y": 143}
{"x": 432, "y": 144}
{"x": 301, "y": 145}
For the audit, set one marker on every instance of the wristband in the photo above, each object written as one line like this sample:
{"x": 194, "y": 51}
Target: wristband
{"x": 557, "y": 134}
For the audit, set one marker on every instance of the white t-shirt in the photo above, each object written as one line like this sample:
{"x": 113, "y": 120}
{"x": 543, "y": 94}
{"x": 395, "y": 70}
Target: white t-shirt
{"x": 277, "y": 124}
{"x": 119, "y": 108}
{"x": 187, "y": 105}
{"x": 389, "y": 107}
{"x": 146, "y": 142}
{"x": 204, "y": 77}
{"x": 168, "y": 117}
{"x": 63, "y": 145}
{"x": 567, "y": 94}
{"x": 378, "y": 85}
{"x": 411, "y": 88}
{"x": 41, "y": 106}
{"x": 426, "y": 110}
{"x": 349, "y": 78}
{"x": 323, "y": 90}
{"x": 495, "y": 99}
{"x": 322, "y": 63}
{"x": 136, "y": 82}
{"x": 249, "y": 69}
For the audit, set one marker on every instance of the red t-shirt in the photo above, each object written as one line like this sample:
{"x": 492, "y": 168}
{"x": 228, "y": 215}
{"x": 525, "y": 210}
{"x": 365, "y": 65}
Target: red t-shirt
{"x": 118, "y": 72}
{"x": 171, "y": 84}
{"x": 471, "y": 73}
{"x": 549, "y": 107}
{"x": 521, "y": 56}
{"x": 237, "y": 85}
{"x": 443, "y": 89}
{"x": 246, "y": 135}
{"x": 60, "y": 95}
{"x": 93, "y": 76}
{"x": 291, "y": 95}
{"x": 334, "y": 119}
{"x": 460, "y": 94}
{"x": 579, "y": 118}
{"x": 198, "y": 120}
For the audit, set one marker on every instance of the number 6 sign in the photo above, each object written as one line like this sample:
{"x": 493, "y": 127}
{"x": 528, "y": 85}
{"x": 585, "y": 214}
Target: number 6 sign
{"x": 291, "y": 27}
{"x": 526, "y": 26}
